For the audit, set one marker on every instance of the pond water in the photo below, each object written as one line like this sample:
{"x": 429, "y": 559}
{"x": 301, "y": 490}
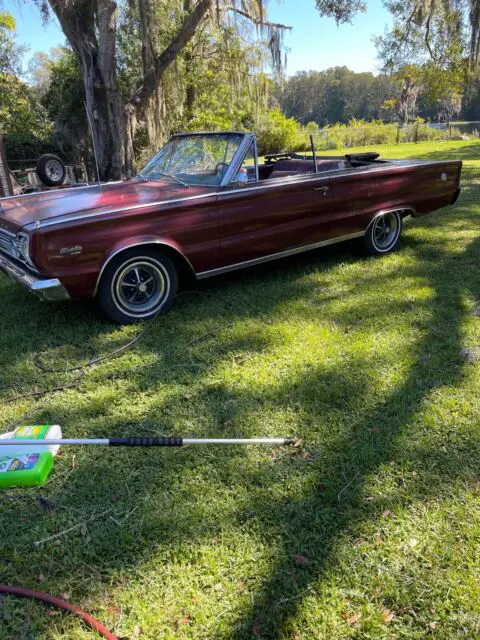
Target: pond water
{"x": 464, "y": 127}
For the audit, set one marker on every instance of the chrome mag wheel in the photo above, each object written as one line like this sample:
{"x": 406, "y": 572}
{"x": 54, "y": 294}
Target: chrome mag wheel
{"x": 140, "y": 287}
{"x": 137, "y": 284}
{"x": 385, "y": 232}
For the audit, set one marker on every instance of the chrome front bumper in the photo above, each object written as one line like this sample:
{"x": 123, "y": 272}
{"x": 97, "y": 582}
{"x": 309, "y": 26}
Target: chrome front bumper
{"x": 50, "y": 290}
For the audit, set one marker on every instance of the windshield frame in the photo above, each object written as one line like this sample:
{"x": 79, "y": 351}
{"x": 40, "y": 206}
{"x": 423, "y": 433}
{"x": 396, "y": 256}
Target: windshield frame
{"x": 234, "y": 165}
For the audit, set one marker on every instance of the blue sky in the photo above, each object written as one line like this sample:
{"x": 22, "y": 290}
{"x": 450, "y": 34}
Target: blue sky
{"x": 315, "y": 43}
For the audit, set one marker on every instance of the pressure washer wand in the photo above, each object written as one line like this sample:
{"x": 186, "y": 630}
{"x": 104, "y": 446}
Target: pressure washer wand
{"x": 142, "y": 442}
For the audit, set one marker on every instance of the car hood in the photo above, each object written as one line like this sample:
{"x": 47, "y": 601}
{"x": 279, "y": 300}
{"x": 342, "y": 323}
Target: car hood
{"x": 19, "y": 211}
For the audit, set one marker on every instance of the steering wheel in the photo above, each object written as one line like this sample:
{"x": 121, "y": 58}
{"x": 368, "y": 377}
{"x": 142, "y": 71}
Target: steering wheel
{"x": 219, "y": 165}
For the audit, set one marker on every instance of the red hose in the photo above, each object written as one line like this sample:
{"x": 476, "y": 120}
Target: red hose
{"x": 60, "y": 604}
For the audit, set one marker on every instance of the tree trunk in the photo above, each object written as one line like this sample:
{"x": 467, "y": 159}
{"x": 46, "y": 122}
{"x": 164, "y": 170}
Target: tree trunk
{"x": 95, "y": 49}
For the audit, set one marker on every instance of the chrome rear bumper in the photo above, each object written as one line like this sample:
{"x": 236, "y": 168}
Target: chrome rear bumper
{"x": 51, "y": 290}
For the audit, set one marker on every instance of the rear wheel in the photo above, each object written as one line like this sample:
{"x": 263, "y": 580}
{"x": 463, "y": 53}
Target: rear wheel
{"x": 137, "y": 285}
{"x": 383, "y": 233}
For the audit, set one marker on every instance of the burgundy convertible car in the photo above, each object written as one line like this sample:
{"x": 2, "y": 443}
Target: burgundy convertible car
{"x": 205, "y": 205}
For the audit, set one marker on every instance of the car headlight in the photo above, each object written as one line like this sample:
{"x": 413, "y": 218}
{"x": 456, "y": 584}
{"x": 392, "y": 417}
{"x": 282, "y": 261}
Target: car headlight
{"x": 23, "y": 248}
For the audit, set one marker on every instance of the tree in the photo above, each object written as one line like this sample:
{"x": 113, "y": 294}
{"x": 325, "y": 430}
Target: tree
{"x": 427, "y": 50}
{"x": 40, "y": 69}
{"x": 10, "y": 52}
{"x": 91, "y": 29}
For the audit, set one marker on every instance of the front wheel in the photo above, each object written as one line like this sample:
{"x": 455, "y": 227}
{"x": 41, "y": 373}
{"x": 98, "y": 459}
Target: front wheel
{"x": 137, "y": 285}
{"x": 383, "y": 233}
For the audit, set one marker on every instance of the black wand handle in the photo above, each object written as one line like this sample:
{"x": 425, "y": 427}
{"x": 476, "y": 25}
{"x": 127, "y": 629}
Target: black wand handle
{"x": 146, "y": 442}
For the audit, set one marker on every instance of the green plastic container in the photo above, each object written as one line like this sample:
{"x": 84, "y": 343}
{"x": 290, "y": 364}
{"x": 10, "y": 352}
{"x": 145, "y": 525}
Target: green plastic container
{"x": 26, "y": 469}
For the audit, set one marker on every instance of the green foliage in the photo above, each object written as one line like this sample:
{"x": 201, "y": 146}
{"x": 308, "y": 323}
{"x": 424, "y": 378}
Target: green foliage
{"x": 359, "y": 133}
{"x": 275, "y": 132}
{"x": 23, "y": 120}
{"x": 10, "y": 53}
{"x": 341, "y": 10}
{"x": 7, "y": 21}
{"x": 64, "y": 102}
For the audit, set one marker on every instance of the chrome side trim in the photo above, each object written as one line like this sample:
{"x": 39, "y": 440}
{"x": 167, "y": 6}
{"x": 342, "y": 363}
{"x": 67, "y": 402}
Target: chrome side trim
{"x": 276, "y": 256}
{"x": 139, "y": 244}
{"x": 81, "y": 216}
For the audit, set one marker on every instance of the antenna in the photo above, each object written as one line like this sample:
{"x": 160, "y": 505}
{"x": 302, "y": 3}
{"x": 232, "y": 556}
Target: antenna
{"x": 314, "y": 153}
{"x": 93, "y": 145}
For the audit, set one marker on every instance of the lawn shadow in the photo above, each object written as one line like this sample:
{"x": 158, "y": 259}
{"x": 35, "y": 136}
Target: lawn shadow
{"x": 373, "y": 440}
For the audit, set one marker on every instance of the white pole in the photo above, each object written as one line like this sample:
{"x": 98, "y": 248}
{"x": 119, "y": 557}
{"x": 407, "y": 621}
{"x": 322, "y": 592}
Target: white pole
{"x": 235, "y": 441}
{"x": 102, "y": 441}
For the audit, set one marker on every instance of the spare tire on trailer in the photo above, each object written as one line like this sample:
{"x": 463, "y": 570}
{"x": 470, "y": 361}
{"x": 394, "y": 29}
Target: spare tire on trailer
{"x": 51, "y": 170}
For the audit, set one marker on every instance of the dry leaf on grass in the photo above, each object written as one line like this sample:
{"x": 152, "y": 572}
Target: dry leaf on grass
{"x": 182, "y": 622}
{"x": 358, "y": 542}
{"x": 301, "y": 560}
{"x": 387, "y": 615}
{"x": 351, "y": 619}
{"x": 256, "y": 627}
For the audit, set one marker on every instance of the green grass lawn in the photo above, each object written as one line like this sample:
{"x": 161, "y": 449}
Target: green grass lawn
{"x": 372, "y": 530}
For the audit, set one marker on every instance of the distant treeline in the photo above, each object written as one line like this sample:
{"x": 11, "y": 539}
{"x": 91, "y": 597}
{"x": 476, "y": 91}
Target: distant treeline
{"x": 338, "y": 95}
{"x": 334, "y": 95}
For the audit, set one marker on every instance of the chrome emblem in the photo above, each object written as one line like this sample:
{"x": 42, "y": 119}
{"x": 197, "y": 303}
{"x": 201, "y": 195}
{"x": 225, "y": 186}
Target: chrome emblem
{"x": 443, "y": 177}
{"x": 71, "y": 251}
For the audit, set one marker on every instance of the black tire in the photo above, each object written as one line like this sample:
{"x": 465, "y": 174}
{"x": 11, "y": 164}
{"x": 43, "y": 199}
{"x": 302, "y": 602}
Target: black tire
{"x": 137, "y": 285}
{"x": 383, "y": 233}
{"x": 51, "y": 170}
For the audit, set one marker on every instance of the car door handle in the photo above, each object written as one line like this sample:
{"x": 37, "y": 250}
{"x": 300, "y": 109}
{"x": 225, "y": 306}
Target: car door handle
{"x": 322, "y": 189}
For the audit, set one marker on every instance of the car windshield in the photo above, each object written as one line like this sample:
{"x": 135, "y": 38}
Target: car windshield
{"x": 194, "y": 159}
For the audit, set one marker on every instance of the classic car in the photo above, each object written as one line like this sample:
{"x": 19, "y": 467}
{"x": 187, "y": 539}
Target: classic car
{"x": 205, "y": 205}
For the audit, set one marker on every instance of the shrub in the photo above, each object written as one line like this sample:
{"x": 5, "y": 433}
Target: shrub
{"x": 276, "y": 133}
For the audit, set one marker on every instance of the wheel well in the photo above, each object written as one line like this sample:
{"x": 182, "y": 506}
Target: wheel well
{"x": 403, "y": 211}
{"x": 185, "y": 269}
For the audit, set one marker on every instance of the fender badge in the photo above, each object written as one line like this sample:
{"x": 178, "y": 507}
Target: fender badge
{"x": 71, "y": 251}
